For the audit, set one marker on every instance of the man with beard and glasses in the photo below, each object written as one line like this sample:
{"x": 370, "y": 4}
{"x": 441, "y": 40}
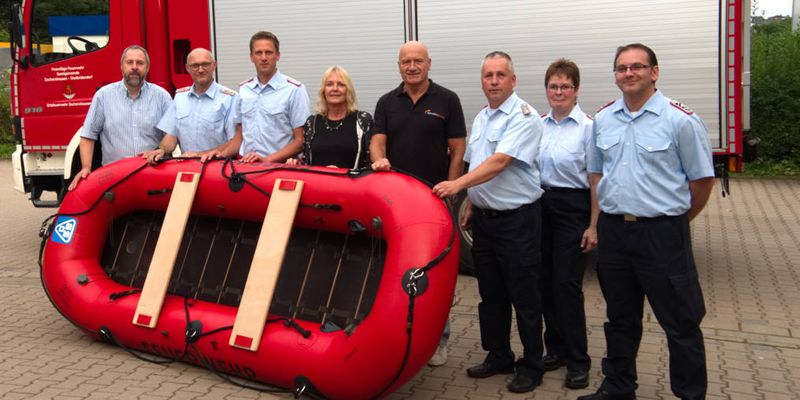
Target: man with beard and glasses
{"x": 123, "y": 115}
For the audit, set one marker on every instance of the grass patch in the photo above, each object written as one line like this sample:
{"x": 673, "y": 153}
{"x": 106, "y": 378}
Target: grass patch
{"x": 6, "y": 149}
{"x": 765, "y": 168}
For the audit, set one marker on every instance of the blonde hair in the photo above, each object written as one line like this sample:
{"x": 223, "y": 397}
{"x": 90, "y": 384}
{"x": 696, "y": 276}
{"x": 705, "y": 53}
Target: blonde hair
{"x": 350, "y": 96}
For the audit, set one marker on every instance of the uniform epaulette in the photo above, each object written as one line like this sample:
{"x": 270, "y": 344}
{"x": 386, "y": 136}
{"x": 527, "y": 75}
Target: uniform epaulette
{"x": 525, "y": 109}
{"x": 603, "y": 107}
{"x": 590, "y": 117}
{"x": 543, "y": 115}
{"x": 183, "y": 89}
{"x": 246, "y": 81}
{"x": 229, "y": 92}
{"x": 293, "y": 82}
{"x": 681, "y": 107}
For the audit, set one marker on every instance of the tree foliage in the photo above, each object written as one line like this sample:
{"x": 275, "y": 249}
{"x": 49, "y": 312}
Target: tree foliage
{"x": 5, "y": 109}
{"x": 775, "y": 90}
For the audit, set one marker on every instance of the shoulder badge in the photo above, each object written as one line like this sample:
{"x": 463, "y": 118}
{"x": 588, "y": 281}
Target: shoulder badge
{"x": 526, "y": 111}
{"x": 603, "y": 107}
{"x": 183, "y": 89}
{"x": 591, "y": 118}
{"x": 293, "y": 82}
{"x": 229, "y": 92}
{"x": 246, "y": 81}
{"x": 679, "y": 106}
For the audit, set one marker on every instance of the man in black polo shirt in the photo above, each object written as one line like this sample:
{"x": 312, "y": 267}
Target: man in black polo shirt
{"x": 419, "y": 126}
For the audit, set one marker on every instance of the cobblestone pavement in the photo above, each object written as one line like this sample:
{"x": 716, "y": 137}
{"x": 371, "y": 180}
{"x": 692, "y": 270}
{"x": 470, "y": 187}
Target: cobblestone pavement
{"x": 746, "y": 247}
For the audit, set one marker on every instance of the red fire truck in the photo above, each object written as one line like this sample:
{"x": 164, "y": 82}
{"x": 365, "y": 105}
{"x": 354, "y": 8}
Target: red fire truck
{"x": 64, "y": 50}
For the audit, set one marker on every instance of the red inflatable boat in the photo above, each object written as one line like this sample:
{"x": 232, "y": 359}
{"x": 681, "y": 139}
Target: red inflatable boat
{"x": 362, "y": 294}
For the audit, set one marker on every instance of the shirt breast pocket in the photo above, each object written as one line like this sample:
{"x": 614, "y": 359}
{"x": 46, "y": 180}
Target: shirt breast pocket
{"x": 212, "y": 119}
{"x": 249, "y": 106}
{"x": 573, "y": 147}
{"x": 277, "y": 114}
{"x": 653, "y": 149}
{"x": 608, "y": 144}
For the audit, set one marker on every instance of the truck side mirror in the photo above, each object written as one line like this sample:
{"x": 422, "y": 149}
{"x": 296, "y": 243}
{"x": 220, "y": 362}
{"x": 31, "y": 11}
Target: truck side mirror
{"x": 17, "y": 27}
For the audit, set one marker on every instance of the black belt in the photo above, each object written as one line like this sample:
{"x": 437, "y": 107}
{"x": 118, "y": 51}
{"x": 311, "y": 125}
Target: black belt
{"x": 487, "y": 212}
{"x": 562, "y": 189}
{"x": 633, "y": 218}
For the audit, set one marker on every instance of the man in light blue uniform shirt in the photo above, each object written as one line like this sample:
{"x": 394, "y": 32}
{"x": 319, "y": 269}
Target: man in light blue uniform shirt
{"x": 201, "y": 118}
{"x": 654, "y": 173}
{"x": 504, "y": 209}
{"x": 123, "y": 115}
{"x": 272, "y": 109}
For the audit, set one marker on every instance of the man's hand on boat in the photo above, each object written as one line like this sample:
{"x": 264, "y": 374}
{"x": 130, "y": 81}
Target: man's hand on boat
{"x": 83, "y": 173}
{"x": 152, "y": 156}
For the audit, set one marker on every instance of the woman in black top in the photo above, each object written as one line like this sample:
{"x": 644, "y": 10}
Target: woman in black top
{"x": 338, "y": 135}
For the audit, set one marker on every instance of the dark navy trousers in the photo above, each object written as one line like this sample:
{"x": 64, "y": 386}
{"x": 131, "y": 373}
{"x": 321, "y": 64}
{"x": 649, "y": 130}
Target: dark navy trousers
{"x": 565, "y": 216}
{"x": 651, "y": 258}
{"x": 507, "y": 259}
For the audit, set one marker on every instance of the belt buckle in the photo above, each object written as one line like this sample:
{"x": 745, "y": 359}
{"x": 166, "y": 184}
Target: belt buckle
{"x": 629, "y": 218}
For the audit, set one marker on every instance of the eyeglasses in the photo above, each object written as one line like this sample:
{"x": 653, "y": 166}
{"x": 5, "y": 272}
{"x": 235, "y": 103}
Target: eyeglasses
{"x": 621, "y": 69}
{"x": 564, "y": 88}
{"x": 196, "y": 66}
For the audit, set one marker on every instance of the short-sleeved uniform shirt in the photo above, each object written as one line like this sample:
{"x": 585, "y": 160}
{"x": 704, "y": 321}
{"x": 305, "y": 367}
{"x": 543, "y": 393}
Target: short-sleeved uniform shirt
{"x": 201, "y": 121}
{"x": 417, "y": 134}
{"x": 514, "y": 129}
{"x": 648, "y": 159}
{"x": 126, "y": 127}
{"x": 270, "y": 112}
{"x": 565, "y": 148}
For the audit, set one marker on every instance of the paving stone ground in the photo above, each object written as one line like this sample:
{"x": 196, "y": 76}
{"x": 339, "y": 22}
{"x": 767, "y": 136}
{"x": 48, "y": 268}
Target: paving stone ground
{"x": 746, "y": 247}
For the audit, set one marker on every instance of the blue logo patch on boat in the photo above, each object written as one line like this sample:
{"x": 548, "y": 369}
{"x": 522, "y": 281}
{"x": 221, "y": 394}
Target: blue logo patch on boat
{"x": 64, "y": 230}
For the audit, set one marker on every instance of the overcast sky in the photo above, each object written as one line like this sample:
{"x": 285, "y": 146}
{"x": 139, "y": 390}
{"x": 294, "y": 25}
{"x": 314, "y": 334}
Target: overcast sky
{"x": 774, "y": 7}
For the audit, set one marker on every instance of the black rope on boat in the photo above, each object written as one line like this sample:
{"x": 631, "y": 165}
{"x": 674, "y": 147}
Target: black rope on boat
{"x": 227, "y": 378}
{"x": 119, "y": 295}
{"x": 412, "y": 291}
{"x": 237, "y": 180}
{"x": 47, "y": 225}
{"x": 106, "y": 335}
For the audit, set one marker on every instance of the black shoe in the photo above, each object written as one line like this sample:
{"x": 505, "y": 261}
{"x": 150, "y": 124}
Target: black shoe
{"x": 577, "y": 380}
{"x": 523, "y": 383}
{"x": 552, "y": 362}
{"x": 487, "y": 369}
{"x": 603, "y": 395}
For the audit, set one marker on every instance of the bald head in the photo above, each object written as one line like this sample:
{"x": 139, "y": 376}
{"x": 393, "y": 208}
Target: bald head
{"x": 413, "y": 46}
{"x": 414, "y": 64}
{"x": 204, "y": 55}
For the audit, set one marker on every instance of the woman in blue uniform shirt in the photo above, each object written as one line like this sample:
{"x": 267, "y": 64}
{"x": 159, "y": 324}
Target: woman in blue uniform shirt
{"x": 569, "y": 218}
